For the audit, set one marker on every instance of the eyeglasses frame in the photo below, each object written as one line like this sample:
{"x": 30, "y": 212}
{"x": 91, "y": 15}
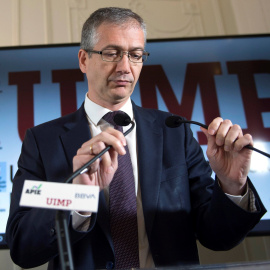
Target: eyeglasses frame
{"x": 121, "y": 55}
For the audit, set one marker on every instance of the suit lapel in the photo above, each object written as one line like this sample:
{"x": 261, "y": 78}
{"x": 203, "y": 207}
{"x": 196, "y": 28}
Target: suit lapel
{"x": 149, "y": 145}
{"x": 77, "y": 133}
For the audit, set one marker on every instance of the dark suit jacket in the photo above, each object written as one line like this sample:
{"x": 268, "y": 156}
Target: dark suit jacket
{"x": 181, "y": 202}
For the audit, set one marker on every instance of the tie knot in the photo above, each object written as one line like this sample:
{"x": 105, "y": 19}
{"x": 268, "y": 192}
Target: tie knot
{"x": 109, "y": 117}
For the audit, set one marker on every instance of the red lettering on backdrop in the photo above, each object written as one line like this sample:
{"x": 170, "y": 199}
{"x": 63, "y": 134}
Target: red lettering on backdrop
{"x": 153, "y": 77}
{"x": 254, "y": 106}
{"x": 25, "y": 102}
{"x": 67, "y": 79}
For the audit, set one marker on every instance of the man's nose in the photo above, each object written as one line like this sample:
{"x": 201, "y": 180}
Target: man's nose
{"x": 124, "y": 64}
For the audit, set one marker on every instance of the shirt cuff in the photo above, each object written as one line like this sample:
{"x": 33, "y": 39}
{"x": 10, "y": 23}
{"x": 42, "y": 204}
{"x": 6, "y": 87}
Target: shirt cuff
{"x": 246, "y": 202}
{"x": 80, "y": 222}
{"x": 241, "y": 201}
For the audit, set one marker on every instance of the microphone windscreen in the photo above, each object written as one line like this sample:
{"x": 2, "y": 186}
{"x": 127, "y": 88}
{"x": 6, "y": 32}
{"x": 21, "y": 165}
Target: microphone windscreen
{"x": 173, "y": 121}
{"x": 122, "y": 119}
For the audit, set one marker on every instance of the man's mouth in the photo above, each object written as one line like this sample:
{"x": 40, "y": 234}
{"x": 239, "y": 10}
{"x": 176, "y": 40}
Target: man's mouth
{"x": 122, "y": 82}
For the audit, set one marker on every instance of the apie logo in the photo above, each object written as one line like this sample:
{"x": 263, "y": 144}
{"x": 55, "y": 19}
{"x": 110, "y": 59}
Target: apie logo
{"x": 34, "y": 190}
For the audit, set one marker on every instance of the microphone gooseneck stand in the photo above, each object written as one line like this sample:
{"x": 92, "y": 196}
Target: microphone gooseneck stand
{"x": 175, "y": 121}
{"x": 61, "y": 223}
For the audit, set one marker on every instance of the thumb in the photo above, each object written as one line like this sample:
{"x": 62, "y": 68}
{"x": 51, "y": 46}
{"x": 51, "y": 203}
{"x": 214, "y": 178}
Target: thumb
{"x": 205, "y": 131}
{"x": 211, "y": 143}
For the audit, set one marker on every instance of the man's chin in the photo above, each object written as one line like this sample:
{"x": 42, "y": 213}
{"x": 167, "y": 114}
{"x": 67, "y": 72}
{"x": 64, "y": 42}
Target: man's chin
{"x": 121, "y": 93}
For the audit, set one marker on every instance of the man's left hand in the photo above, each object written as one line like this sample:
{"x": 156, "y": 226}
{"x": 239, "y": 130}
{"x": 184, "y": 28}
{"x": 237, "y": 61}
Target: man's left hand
{"x": 227, "y": 156}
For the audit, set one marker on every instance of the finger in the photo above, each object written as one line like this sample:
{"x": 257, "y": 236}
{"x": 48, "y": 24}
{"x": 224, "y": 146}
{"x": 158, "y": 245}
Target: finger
{"x": 96, "y": 148}
{"x": 86, "y": 149}
{"x": 80, "y": 160}
{"x": 113, "y": 138}
{"x": 106, "y": 159}
{"x": 222, "y": 132}
{"x": 214, "y": 126}
{"x": 115, "y": 135}
{"x": 87, "y": 177}
{"x": 243, "y": 141}
{"x": 110, "y": 164}
{"x": 118, "y": 134}
{"x": 235, "y": 132}
{"x": 211, "y": 143}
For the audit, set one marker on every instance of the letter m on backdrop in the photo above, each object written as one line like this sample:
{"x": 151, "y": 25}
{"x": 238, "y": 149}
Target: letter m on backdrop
{"x": 197, "y": 74}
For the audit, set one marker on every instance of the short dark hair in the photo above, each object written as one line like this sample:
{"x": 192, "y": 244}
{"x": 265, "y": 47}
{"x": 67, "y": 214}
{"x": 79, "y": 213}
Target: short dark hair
{"x": 112, "y": 15}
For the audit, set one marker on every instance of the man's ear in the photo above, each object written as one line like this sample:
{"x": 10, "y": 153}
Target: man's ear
{"x": 82, "y": 55}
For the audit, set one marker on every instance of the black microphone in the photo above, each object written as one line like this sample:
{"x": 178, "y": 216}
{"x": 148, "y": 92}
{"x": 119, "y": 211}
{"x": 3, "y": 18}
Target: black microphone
{"x": 176, "y": 121}
{"x": 120, "y": 119}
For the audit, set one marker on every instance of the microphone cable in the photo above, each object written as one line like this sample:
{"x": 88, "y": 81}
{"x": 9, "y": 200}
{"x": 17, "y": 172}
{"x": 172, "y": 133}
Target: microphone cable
{"x": 175, "y": 121}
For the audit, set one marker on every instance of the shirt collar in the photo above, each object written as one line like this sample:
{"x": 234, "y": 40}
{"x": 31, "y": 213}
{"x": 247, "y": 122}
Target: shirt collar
{"x": 95, "y": 112}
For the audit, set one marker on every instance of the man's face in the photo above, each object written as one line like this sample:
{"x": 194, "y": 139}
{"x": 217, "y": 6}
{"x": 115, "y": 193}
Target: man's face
{"x": 110, "y": 84}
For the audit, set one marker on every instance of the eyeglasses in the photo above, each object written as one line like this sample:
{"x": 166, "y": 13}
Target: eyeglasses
{"x": 112, "y": 55}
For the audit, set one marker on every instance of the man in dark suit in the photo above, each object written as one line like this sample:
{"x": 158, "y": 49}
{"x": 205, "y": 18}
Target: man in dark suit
{"x": 177, "y": 201}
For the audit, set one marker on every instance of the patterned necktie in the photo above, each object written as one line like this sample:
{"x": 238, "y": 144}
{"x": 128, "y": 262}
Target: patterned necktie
{"x": 123, "y": 209}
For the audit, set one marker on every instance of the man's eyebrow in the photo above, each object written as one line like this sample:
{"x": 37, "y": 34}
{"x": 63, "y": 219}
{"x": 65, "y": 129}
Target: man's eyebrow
{"x": 117, "y": 47}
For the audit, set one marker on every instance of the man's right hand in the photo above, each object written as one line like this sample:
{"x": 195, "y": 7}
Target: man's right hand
{"x": 101, "y": 171}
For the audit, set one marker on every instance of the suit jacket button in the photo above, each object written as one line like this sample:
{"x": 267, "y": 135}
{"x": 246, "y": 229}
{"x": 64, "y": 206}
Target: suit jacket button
{"x": 109, "y": 265}
{"x": 52, "y": 232}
